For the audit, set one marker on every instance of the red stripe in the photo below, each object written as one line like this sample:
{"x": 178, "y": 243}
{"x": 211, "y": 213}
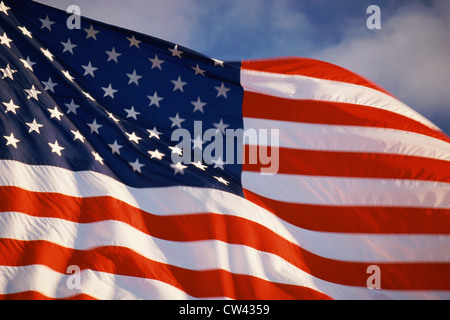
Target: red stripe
{"x": 310, "y": 68}
{"x": 372, "y": 220}
{"x": 214, "y": 283}
{"x": 233, "y": 230}
{"x": 262, "y": 106}
{"x": 347, "y": 164}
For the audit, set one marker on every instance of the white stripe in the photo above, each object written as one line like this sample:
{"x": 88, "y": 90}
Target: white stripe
{"x": 201, "y": 255}
{"x": 344, "y": 191}
{"x": 99, "y": 285}
{"x": 349, "y": 139}
{"x": 307, "y": 88}
{"x": 186, "y": 200}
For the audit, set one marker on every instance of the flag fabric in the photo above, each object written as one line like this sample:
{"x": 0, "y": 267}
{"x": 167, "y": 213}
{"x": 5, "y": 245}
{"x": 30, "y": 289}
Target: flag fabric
{"x": 342, "y": 191}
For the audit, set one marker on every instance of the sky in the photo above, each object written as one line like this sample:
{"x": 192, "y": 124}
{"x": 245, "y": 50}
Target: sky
{"x": 409, "y": 55}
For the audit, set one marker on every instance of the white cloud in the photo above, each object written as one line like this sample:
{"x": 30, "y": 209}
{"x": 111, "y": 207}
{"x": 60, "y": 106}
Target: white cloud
{"x": 408, "y": 56}
{"x": 236, "y": 29}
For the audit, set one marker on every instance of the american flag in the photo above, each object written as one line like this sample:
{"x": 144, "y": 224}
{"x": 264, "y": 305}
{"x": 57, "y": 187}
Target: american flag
{"x": 93, "y": 205}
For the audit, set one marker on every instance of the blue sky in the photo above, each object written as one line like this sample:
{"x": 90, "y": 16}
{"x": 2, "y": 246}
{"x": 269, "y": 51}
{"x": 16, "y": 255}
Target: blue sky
{"x": 409, "y": 56}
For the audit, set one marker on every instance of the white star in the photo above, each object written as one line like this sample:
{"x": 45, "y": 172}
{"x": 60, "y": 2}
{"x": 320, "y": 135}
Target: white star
{"x": 178, "y": 84}
{"x": 133, "y": 137}
{"x": 49, "y": 85}
{"x": 154, "y": 133}
{"x": 109, "y": 91}
{"x": 156, "y": 154}
{"x": 32, "y": 93}
{"x": 4, "y": 8}
{"x": 111, "y": 116}
{"x": 115, "y": 147}
{"x": 56, "y": 148}
{"x": 10, "y": 106}
{"x": 72, "y": 107}
{"x": 89, "y": 69}
{"x": 154, "y": 100}
{"x": 47, "y": 53}
{"x": 176, "y": 52}
{"x": 199, "y": 165}
{"x": 176, "y": 121}
{"x": 67, "y": 75}
{"x": 176, "y": 150}
{"x": 8, "y": 72}
{"x": 46, "y": 23}
{"x": 134, "y": 42}
{"x": 221, "y": 126}
{"x": 198, "y": 143}
{"x": 68, "y": 46}
{"x": 11, "y": 140}
{"x": 222, "y": 90}
{"x": 222, "y": 180}
{"x": 156, "y": 63}
{"x": 28, "y": 63}
{"x": 131, "y": 113}
{"x": 91, "y": 33}
{"x": 78, "y": 136}
{"x": 133, "y": 77}
{"x": 198, "y": 70}
{"x": 218, "y": 163}
{"x": 34, "y": 126}
{"x": 198, "y": 105}
{"x": 55, "y": 113}
{"x": 218, "y": 62}
{"x": 88, "y": 95}
{"x": 136, "y": 166}
{"x": 25, "y": 32}
{"x": 179, "y": 167}
{"x": 97, "y": 157}
{"x": 94, "y": 126}
{"x": 112, "y": 55}
{"x": 5, "y": 40}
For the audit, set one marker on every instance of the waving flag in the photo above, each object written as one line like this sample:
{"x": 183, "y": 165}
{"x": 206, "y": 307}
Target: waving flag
{"x": 117, "y": 179}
